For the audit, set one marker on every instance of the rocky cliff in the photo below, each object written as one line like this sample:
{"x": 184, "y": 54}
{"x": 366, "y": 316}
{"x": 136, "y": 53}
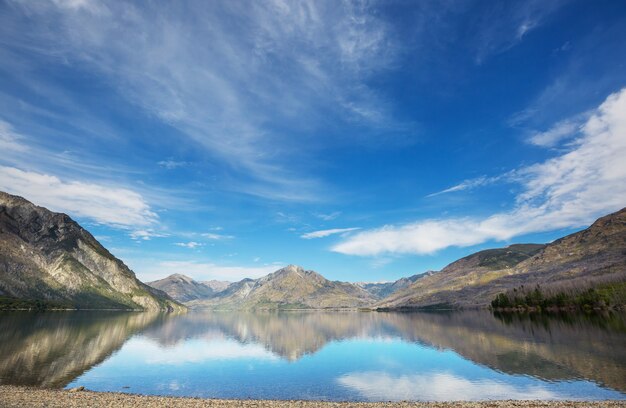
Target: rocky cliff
{"x": 46, "y": 256}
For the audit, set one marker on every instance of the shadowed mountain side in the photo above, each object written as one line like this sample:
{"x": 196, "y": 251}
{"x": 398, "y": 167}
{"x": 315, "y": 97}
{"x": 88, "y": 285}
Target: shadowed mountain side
{"x": 47, "y": 257}
{"x": 581, "y": 260}
{"x": 51, "y": 349}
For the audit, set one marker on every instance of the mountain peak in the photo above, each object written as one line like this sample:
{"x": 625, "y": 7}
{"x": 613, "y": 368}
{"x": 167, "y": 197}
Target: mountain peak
{"x": 180, "y": 276}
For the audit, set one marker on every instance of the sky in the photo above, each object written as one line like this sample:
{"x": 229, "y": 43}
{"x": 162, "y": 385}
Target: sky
{"x": 364, "y": 140}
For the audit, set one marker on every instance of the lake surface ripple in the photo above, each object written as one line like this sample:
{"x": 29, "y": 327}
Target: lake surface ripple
{"x": 319, "y": 355}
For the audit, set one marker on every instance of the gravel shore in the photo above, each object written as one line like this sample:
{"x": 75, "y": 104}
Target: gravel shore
{"x": 11, "y": 397}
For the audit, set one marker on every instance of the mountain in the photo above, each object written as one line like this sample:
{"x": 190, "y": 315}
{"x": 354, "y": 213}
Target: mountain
{"x": 289, "y": 288}
{"x": 46, "y": 257}
{"x": 217, "y": 286}
{"x": 592, "y": 257}
{"x": 383, "y": 289}
{"x": 184, "y": 289}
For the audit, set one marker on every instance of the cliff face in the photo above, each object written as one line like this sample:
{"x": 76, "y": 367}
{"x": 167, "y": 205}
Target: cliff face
{"x": 584, "y": 259}
{"x": 48, "y": 256}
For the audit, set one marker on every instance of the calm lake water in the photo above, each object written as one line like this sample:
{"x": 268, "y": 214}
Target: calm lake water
{"x": 315, "y": 355}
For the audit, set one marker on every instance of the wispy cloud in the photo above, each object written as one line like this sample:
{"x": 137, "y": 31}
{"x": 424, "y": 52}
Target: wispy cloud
{"x": 10, "y": 140}
{"x": 567, "y": 191}
{"x": 326, "y": 233}
{"x": 190, "y": 244}
{"x": 328, "y": 216}
{"x": 216, "y": 237}
{"x": 172, "y": 164}
{"x": 470, "y": 184}
{"x": 562, "y": 130}
{"x": 146, "y": 234}
{"x": 225, "y": 97}
{"x": 504, "y": 25}
{"x": 109, "y": 205}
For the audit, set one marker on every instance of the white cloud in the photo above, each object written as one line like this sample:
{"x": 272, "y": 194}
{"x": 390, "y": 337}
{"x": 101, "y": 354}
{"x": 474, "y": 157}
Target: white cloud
{"x": 382, "y": 386}
{"x": 216, "y": 237}
{"x": 113, "y": 206}
{"x": 148, "y": 271}
{"x": 326, "y": 233}
{"x": 9, "y": 139}
{"x": 564, "y": 129}
{"x": 567, "y": 191}
{"x": 146, "y": 235}
{"x": 190, "y": 244}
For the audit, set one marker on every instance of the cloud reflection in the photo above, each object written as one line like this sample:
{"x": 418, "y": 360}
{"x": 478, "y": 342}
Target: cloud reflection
{"x": 195, "y": 351}
{"x": 382, "y": 386}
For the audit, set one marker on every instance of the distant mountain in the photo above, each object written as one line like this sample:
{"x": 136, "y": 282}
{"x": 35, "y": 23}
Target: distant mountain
{"x": 217, "y": 286}
{"x": 594, "y": 256}
{"x": 47, "y": 258}
{"x": 384, "y": 289}
{"x": 184, "y": 289}
{"x": 289, "y": 288}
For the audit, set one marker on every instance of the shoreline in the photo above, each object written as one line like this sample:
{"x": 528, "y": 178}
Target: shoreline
{"x": 18, "y": 397}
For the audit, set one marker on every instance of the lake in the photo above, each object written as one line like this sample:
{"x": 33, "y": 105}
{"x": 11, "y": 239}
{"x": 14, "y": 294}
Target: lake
{"x": 319, "y": 355}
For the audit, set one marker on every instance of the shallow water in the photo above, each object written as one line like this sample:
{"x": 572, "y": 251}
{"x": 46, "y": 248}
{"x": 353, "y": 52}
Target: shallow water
{"x": 318, "y": 355}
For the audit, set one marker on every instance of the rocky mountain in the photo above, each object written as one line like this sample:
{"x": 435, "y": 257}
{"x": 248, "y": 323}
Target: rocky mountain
{"x": 596, "y": 255}
{"x": 184, "y": 289}
{"x": 47, "y": 257}
{"x": 217, "y": 286}
{"x": 383, "y": 289}
{"x": 289, "y": 288}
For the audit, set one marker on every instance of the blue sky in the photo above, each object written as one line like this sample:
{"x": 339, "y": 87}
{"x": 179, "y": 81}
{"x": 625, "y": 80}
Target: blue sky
{"x": 364, "y": 140}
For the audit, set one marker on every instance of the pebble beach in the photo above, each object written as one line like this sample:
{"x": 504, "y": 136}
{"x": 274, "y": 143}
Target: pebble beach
{"x": 24, "y": 397}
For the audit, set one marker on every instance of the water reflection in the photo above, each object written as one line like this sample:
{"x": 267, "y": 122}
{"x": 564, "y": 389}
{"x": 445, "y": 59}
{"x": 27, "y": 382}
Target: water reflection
{"x": 51, "y": 349}
{"x": 364, "y": 356}
{"x": 382, "y": 386}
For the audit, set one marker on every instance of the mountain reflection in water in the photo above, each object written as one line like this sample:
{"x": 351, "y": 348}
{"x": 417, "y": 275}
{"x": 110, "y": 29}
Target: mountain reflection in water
{"x": 314, "y": 355}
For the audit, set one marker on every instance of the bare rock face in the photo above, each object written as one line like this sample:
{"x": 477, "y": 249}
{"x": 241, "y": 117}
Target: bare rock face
{"x": 592, "y": 256}
{"x": 47, "y": 256}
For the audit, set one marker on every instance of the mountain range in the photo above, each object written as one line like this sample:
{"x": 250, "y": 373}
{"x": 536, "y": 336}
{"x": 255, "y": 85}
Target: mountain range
{"x": 48, "y": 260}
{"x": 291, "y": 287}
{"x": 587, "y": 259}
